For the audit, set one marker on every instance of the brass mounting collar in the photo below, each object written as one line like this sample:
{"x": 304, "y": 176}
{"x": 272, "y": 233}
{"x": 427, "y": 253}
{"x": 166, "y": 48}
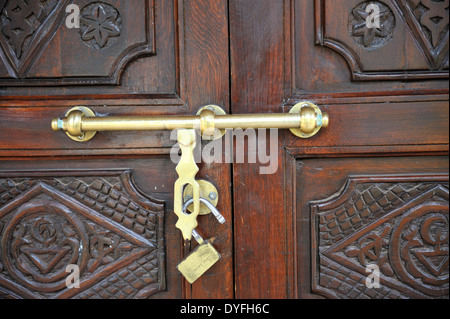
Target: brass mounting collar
{"x": 311, "y": 119}
{"x": 208, "y": 129}
{"x": 72, "y": 124}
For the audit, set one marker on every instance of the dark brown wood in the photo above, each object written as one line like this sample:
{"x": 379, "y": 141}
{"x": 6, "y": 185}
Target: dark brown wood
{"x": 383, "y": 123}
{"x": 262, "y": 261}
{"x": 397, "y": 224}
{"x": 363, "y": 198}
{"x": 44, "y": 53}
{"x": 113, "y": 234}
{"x": 433, "y": 46}
{"x": 101, "y": 199}
{"x": 207, "y": 66}
{"x": 340, "y": 59}
{"x": 388, "y": 106}
{"x": 374, "y": 181}
{"x": 158, "y": 57}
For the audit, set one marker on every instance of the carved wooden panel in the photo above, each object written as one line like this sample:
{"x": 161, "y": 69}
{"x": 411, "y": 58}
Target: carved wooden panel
{"x": 409, "y": 39}
{"x": 399, "y": 224}
{"x": 38, "y": 47}
{"x": 95, "y": 220}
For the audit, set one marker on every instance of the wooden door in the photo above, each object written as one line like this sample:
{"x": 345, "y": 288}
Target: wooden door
{"x": 372, "y": 189}
{"x": 106, "y": 205}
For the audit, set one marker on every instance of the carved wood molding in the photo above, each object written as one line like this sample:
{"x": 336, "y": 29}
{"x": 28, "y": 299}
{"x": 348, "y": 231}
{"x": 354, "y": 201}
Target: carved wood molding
{"x": 399, "y": 224}
{"x": 95, "y": 220}
{"x": 427, "y": 21}
{"x": 26, "y": 28}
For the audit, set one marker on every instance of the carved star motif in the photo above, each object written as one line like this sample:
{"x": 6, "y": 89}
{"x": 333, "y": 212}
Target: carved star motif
{"x": 102, "y": 24}
{"x": 360, "y": 28}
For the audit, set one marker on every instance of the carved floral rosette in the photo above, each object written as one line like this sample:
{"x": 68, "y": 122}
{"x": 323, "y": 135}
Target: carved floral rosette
{"x": 379, "y": 29}
{"x": 31, "y": 30}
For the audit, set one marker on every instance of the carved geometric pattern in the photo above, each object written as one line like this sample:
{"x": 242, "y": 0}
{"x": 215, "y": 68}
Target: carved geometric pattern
{"x": 29, "y": 30}
{"x": 371, "y": 36}
{"x": 24, "y": 28}
{"x": 426, "y": 22}
{"x": 429, "y": 22}
{"x": 100, "y": 25}
{"x": 97, "y": 221}
{"x": 433, "y": 16}
{"x": 402, "y": 227}
{"x": 129, "y": 282}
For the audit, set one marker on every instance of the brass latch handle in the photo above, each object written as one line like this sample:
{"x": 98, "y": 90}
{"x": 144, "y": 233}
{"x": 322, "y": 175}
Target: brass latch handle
{"x": 304, "y": 120}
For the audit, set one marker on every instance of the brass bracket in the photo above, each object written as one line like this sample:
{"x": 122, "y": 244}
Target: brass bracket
{"x": 311, "y": 119}
{"x": 207, "y": 191}
{"x": 209, "y": 131}
{"x": 72, "y": 124}
{"x": 187, "y": 169}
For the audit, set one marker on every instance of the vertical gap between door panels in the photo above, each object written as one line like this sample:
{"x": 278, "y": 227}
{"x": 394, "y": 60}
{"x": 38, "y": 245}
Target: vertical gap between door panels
{"x": 230, "y": 101}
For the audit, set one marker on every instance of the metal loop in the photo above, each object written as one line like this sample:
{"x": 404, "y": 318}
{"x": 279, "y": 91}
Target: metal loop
{"x": 208, "y": 204}
{"x": 197, "y": 237}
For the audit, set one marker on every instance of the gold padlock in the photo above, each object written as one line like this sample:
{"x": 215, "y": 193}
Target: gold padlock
{"x": 199, "y": 261}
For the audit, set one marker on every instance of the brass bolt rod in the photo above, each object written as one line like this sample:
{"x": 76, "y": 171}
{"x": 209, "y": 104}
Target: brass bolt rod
{"x": 147, "y": 123}
{"x": 159, "y": 123}
{"x": 81, "y": 123}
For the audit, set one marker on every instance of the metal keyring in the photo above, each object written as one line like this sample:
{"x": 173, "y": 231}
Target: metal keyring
{"x": 210, "y": 206}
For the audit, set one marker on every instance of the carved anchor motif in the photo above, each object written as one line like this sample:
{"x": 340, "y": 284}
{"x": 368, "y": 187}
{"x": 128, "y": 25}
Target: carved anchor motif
{"x": 429, "y": 22}
{"x": 25, "y": 26}
{"x": 435, "y": 18}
